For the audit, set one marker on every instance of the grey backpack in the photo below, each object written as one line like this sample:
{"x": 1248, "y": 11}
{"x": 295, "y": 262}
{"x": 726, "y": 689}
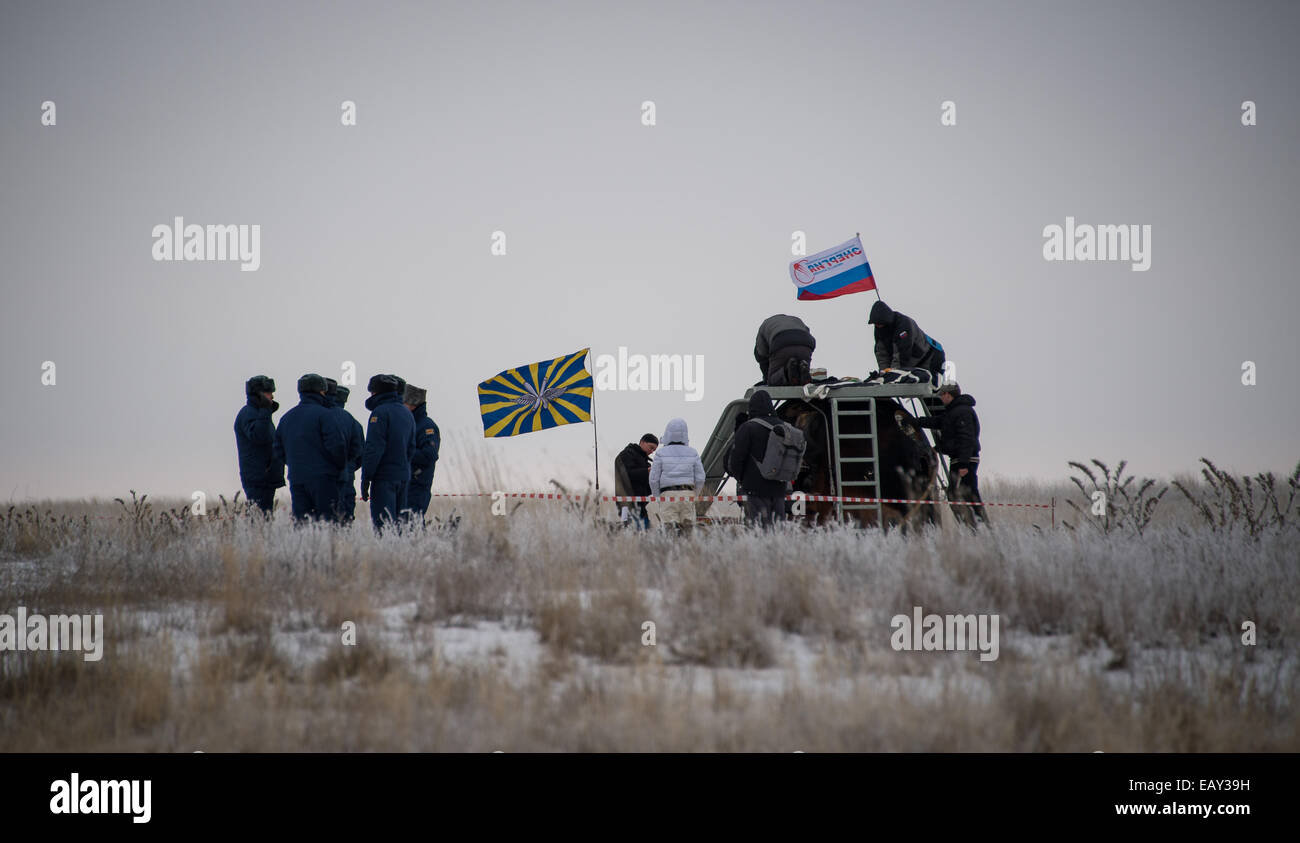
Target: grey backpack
{"x": 784, "y": 454}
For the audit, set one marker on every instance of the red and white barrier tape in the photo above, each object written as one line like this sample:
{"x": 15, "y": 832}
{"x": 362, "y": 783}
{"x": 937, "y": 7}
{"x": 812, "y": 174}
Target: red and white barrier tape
{"x": 675, "y": 498}
{"x": 736, "y": 498}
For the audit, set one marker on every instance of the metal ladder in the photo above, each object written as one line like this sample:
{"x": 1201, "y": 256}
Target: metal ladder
{"x": 869, "y": 487}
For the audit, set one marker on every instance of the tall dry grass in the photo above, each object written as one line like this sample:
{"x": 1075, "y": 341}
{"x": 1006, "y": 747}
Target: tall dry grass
{"x": 525, "y": 632}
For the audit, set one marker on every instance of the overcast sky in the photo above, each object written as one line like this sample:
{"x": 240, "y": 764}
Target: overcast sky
{"x": 674, "y": 238}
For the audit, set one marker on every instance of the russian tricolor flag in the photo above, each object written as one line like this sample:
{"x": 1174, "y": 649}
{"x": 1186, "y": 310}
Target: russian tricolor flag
{"x": 834, "y": 272}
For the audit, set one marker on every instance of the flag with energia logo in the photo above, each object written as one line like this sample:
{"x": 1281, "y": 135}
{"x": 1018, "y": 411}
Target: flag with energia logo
{"x": 834, "y": 272}
{"x": 536, "y": 396}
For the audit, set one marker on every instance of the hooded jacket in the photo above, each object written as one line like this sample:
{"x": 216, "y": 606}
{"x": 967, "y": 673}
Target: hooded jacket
{"x": 390, "y": 440}
{"x": 900, "y": 342}
{"x": 959, "y": 431}
{"x": 355, "y": 437}
{"x": 255, "y": 441}
{"x": 749, "y": 447}
{"x": 310, "y": 441}
{"x": 676, "y": 463}
{"x": 428, "y": 441}
{"x": 778, "y": 332}
{"x": 632, "y": 471}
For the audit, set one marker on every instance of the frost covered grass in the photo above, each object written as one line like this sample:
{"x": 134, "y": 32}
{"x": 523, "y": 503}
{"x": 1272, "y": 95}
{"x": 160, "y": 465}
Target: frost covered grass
{"x": 526, "y": 633}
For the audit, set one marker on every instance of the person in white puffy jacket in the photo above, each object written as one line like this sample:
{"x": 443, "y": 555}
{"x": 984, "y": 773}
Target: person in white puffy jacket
{"x": 677, "y": 470}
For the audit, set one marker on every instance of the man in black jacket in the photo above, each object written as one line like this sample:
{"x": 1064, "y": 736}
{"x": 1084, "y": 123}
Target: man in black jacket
{"x": 764, "y": 499}
{"x": 901, "y": 344}
{"x": 632, "y": 474}
{"x": 959, "y": 438}
{"x": 259, "y": 472}
{"x": 783, "y": 349}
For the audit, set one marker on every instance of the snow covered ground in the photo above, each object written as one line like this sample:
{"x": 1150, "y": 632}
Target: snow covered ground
{"x": 530, "y": 632}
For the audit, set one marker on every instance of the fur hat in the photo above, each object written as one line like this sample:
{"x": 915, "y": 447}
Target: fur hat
{"x": 341, "y": 394}
{"x": 258, "y": 384}
{"x": 330, "y": 386}
{"x": 414, "y": 396}
{"x": 380, "y": 384}
{"x": 311, "y": 383}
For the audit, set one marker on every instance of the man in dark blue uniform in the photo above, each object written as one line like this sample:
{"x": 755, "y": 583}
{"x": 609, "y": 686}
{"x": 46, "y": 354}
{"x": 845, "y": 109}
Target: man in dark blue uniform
{"x": 259, "y": 472}
{"x": 355, "y": 436}
{"x": 311, "y": 442}
{"x": 428, "y": 440}
{"x": 386, "y": 458}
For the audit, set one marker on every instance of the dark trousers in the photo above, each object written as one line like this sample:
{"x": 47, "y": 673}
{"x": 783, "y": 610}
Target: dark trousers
{"x": 967, "y": 489}
{"x": 387, "y": 500}
{"x": 347, "y": 501}
{"x": 788, "y": 366}
{"x": 315, "y": 499}
{"x": 763, "y": 511}
{"x": 638, "y": 516}
{"x": 934, "y": 362}
{"x": 417, "y": 500}
{"x": 263, "y": 496}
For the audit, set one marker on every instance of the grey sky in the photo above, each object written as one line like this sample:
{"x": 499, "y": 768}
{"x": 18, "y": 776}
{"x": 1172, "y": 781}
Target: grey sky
{"x": 771, "y": 118}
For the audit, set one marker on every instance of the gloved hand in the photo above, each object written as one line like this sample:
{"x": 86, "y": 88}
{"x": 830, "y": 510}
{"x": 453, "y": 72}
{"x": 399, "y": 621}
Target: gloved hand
{"x": 365, "y": 490}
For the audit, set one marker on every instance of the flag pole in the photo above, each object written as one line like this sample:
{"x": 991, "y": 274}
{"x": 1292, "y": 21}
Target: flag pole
{"x": 595, "y": 442}
{"x": 875, "y": 288}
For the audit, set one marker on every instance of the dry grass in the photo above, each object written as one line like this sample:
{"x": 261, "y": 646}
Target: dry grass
{"x": 525, "y": 633}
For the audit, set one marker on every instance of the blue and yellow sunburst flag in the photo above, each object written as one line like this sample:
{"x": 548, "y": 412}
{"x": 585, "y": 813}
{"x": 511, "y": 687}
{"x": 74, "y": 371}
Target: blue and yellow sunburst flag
{"x": 536, "y": 396}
